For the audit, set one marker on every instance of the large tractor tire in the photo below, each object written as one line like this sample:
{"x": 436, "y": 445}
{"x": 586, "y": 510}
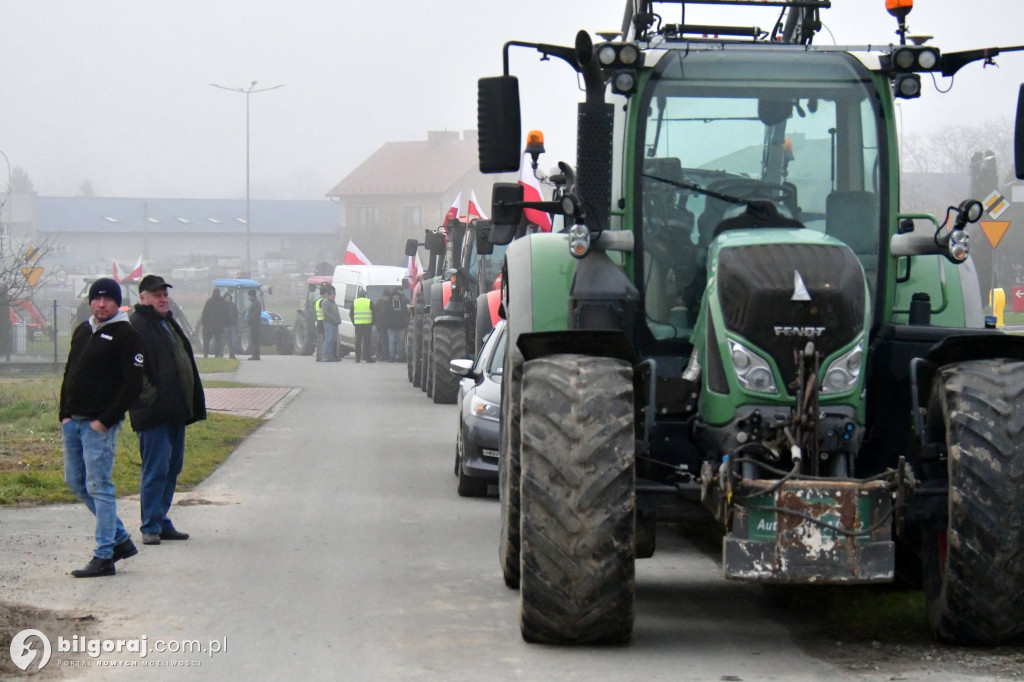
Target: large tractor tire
{"x": 577, "y": 580}
{"x": 303, "y": 338}
{"x": 974, "y": 568}
{"x": 285, "y": 344}
{"x": 508, "y": 466}
{"x": 449, "y": 343}
{"x": 425, "y": 355}
{"x": 414, "y": 358}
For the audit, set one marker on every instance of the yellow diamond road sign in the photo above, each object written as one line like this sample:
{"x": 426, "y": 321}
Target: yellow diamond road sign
{"x": 996, "y": 204}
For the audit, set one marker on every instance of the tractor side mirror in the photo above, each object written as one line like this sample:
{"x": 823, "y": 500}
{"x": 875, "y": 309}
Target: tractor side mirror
{"x": 410, "y": 247}
{"x": 498, "y": 124}
{"x": 434, "y": 242}
{"x": 1018, "y": 137}
{"x": 506, "y": 204}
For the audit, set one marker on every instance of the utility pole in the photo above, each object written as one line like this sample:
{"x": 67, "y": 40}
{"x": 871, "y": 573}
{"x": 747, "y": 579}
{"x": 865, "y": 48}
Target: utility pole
{"x": 247, "y": 91}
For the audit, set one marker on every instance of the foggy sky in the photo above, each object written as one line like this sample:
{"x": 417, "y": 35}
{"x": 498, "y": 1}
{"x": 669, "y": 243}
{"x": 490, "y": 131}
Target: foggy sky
{"x": 117, "y": 91}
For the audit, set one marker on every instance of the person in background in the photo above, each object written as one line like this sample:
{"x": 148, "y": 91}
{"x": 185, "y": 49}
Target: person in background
{"x": 102, "y": 377}
{"x": 254, "y": 319}
{"x": 361, "y": 315}
{"x": 212, "y": 320}
{"x": 230, "y": 323}
{"x": 318, "y": 308}
{"x": 172, "y": 397}
{"x": 380, "y": 314}
{"x": 332, "y": 318}
{"x": 397, "y": 321}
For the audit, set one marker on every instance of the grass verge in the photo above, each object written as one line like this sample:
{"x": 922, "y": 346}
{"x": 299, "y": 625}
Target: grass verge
{"x": 31, "y": 453}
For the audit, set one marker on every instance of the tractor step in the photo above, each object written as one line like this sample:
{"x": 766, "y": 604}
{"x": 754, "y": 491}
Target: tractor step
{"x": 811, "y": 532}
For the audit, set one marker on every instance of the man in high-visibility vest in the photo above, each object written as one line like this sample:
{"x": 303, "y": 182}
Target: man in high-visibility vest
{"x": 361, "y": 315}
{"x": 320, "y": 322}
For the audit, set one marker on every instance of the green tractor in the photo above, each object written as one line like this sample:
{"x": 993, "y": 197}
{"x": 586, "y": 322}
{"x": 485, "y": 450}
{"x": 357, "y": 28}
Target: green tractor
{"x": 738, "y": 325}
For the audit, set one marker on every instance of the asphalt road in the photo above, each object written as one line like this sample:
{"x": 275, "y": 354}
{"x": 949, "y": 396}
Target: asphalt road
{"x": 332, "y": 545}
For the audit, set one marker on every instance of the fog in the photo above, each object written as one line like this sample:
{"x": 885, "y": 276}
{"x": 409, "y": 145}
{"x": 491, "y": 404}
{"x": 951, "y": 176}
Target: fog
{"x": 117, "y": 92}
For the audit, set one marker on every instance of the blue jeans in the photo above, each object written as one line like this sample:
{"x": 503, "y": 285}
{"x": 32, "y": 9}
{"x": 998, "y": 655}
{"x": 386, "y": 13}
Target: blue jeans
{"x": 88, "y": 468}
{"x": 163, "y": 453}
{"x": 396, "y": 344}
{"x": 330, "y": 347}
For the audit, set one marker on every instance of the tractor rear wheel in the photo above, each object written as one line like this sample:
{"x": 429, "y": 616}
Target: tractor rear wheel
{"x": 577, "y": 581}
{"x": 974, "y": 568}
{"x": 449, "y": 343}
{"x": 302, "y": 340}
{"x": 508, "y": 466}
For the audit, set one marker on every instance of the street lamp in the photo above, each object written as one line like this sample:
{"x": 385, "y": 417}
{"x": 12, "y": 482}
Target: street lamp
{"x": 247, "y": 91}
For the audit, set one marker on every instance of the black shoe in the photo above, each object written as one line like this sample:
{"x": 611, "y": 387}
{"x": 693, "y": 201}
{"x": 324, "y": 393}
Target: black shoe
{"x": 150, "y": 539}
{"x": 173, "y": 534}
{"x": 255, "y": 357}
{"x": 124, "y": 549}
{"x": 95, "y": 568}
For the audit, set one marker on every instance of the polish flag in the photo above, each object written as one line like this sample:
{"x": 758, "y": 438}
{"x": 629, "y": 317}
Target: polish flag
{"x": 136, "y": 272}
{"x": 474, "y": 208}
{"x": 117, "y": 275}
{"x": 531, "y": 192}
{"x": 413, "y": 271}
{"x": 453, "y": 212}
{"x": 353, "y": 256}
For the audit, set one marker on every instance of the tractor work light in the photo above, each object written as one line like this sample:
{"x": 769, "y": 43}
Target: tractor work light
{"x": 906, "y": 86}
{"x": 959, "y": 246}
{"x": 579, "y": 240}
{"x": 915, "y": 58}
{"x": 624, "y": 82}
{"x": 619, "y": 55}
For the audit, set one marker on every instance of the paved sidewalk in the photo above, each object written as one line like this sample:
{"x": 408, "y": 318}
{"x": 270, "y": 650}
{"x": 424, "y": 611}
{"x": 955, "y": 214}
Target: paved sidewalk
{"x": 260, "y": 403}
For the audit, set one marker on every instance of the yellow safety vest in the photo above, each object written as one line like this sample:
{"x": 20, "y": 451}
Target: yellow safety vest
{"x": 361, "y": 311}
{"x": 319, "y": 310}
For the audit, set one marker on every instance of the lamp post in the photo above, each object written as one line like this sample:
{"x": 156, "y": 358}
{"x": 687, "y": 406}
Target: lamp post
{"x": 247, "y": 91}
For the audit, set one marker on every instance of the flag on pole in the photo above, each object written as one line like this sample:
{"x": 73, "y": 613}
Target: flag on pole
{"x": 353, "y": 256}
{"x": 117, "y": 275}
{"x": 474, "y": 208}
{"x": 136, "y": 272}
{"x": 531, "y": 192}
{"x": 413, "y": 271}
{"x": 453, "y": 212}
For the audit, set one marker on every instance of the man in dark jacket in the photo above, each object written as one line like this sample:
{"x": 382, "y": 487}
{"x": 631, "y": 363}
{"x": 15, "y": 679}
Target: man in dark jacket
{"x": 172, "y": 397}
{"x": 332, "y": 318}
{"x": 254, "y": 318}
{"x": 102, "y": 377}
{"x": 212, "y": 321}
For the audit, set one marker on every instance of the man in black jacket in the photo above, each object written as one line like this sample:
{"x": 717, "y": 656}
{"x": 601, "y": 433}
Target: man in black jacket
{"x": 102, "y": 377}
{"x": 254, "y": 318}
{"x": 172, "y": 397}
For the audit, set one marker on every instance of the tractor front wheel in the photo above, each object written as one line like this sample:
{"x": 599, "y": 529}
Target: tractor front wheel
{"x": 449, "y": 343}
{"x": 577, "y": 575}
{"x": 973, "y": 568}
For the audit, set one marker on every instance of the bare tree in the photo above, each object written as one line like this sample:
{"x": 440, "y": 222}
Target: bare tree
{"x": 20, "y": 181}
{"x": 952, "y": 148}
{"x": 18, "y": 258}
{"x": 85, "y": 189}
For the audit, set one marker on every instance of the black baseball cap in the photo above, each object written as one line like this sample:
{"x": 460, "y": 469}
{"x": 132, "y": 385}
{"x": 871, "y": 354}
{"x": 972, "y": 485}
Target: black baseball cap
{"x": 152, "y": 283}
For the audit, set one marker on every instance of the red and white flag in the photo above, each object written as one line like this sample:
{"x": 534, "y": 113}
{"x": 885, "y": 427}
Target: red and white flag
{"x": 413, "y": 271}
{"x": 136, "y": 272}
{"x": 474, "y": 210}
{"x": 353, "y": 256}
{"x": 453, "y": 212}
{"x": 531, "y": 192}
{"x": 117, "y": 275}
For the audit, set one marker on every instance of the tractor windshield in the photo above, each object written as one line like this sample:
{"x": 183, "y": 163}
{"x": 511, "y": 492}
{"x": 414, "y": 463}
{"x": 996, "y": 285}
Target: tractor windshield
{"x": 799, "y": 131}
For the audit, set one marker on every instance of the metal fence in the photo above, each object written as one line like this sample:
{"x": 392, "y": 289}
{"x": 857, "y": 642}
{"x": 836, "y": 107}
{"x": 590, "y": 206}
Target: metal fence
{"x": 41, "y": 335}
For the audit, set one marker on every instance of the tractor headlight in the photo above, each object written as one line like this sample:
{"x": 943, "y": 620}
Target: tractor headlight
{"x": 752, "y": 371}
{"x": 843, "y": 372}
{"x": 483, "y": 409}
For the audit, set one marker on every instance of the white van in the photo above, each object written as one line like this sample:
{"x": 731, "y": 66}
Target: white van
{"x": 375, "y": 279}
